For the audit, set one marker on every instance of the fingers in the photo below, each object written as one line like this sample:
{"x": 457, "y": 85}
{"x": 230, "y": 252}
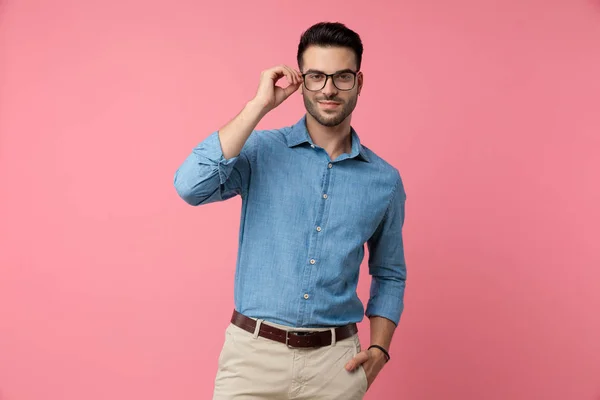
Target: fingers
{"x": 293, "y": 76}
{"x": 359, "y": 359}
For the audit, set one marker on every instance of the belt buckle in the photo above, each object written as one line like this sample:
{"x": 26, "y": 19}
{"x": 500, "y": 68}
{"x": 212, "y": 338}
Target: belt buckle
{"x": 299, "y": 333}
{"x": 287, "y": 338}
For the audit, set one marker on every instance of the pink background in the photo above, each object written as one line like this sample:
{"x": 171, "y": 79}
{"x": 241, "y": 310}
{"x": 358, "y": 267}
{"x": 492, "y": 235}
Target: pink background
{"x": 111, "y": 287}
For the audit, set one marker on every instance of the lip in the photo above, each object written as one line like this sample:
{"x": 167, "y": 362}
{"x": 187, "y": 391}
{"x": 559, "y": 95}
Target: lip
{"x": 328, "y": 104}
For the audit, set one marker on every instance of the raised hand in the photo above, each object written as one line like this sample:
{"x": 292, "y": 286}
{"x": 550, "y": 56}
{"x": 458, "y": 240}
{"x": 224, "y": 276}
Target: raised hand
{"x": 268, "y": 94}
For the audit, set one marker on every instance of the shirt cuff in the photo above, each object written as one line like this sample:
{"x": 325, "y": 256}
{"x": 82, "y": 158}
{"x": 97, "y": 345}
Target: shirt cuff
{"x": 211, "y": 149}
{"x": 387, "y": 305}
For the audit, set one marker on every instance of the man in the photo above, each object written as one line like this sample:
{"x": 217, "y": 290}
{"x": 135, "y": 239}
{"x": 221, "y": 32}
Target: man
{"x": 312, "y": 197}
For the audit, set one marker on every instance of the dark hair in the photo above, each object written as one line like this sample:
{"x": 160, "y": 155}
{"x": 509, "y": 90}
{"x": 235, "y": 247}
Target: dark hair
{"x": 330, "y": 34}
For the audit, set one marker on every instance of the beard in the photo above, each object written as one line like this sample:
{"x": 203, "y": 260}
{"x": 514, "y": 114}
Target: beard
{"x": 330, "y": 118}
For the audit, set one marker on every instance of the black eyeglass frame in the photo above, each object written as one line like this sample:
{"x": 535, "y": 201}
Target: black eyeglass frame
{"x": 327, "y": 76}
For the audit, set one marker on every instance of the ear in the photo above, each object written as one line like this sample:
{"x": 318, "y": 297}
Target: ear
{"x": 360, "y": 81}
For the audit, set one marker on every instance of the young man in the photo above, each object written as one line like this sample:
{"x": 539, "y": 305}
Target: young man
{"x": 312, "y": 197}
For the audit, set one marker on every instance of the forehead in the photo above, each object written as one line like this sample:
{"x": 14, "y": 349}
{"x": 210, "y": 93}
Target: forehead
{"x": 328, "y": 59}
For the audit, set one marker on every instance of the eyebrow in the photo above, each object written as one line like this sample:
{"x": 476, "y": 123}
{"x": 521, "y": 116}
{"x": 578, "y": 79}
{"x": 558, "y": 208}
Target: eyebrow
{"x": 316, "y": 71}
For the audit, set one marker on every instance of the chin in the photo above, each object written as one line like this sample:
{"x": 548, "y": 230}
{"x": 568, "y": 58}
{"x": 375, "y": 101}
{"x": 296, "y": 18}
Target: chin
{"x": 330, "y": 121}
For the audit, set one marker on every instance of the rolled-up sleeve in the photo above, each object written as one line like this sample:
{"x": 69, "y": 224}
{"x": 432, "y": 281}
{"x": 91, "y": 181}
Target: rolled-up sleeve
{"x": 205, "y": 176}
{"x": 387, "y": 264}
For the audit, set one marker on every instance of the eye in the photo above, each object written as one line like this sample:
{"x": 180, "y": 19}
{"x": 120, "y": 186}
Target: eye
{"x": 345, "y": 76}
{"x": 315, "y": 76}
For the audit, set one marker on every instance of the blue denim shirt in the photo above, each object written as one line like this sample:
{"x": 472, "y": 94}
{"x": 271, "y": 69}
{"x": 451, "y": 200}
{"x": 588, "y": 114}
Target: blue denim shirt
{"x": 305, "y": 221}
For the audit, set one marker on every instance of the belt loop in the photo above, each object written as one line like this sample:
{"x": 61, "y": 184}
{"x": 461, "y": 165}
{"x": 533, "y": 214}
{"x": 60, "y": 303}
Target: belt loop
{"x": 257, "y": 328}
{"x": 333, "y": 340}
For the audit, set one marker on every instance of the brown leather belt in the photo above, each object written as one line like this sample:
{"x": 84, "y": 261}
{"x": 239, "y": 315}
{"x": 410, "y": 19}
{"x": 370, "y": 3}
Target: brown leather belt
{"x": 293, "y": 339}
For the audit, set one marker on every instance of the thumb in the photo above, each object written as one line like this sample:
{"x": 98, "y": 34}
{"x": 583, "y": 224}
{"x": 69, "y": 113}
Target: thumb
{"x": 281, "y": 94}
{"x": 291, "y": 88}
{"x": 359, "y": 359}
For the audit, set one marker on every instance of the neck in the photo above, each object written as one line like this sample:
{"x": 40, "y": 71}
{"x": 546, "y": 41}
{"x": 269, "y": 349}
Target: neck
{"x": 335, "y": 140}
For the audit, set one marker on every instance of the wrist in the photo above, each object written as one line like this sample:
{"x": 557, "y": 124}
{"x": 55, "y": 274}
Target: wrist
{"x": 381, "y": 351}
{"x": 258, "y": 107}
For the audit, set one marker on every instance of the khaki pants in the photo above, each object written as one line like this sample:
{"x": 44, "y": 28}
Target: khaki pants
{"x": 251, "y": 367}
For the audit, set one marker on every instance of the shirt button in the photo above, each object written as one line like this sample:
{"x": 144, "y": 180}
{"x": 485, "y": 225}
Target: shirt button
{"x": 330, "y": 165}
{"x": 325, "y": 196}
{"x": 306, "y": 295}
{"x": 312, "y": 145}
{"x": 312, "y": 261}
{"x": 318, "y": 229}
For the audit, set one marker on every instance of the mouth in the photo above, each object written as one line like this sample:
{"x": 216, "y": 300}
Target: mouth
{"x": 328, "y": 104}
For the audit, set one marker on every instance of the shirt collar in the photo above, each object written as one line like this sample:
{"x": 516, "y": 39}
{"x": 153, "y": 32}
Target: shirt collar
{"x": 299, "y": 134}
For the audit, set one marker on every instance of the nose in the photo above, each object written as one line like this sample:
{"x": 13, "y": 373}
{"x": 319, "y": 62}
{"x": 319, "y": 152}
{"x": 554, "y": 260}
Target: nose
{"x": 329, "y": 89}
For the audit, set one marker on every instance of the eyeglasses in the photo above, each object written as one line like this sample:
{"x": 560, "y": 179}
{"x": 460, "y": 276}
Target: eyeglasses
{"x": 343, "y": 80}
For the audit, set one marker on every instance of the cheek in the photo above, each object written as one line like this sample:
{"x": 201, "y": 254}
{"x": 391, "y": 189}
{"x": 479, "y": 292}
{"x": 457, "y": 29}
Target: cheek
{"x": 308, "y": 96}
{"x": 349, "y": 98}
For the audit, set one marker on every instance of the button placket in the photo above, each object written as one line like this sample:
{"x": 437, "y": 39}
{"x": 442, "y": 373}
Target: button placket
{"x": 312, "y": 269}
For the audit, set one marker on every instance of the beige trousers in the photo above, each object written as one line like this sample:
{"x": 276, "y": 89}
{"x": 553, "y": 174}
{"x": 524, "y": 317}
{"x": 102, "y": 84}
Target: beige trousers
{"x": 251, "y": 367}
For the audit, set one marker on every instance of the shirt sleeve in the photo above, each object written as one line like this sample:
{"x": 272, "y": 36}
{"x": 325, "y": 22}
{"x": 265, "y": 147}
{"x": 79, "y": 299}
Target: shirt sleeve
{"x": 387, "y": 265}
{"x": 205, "y": 176}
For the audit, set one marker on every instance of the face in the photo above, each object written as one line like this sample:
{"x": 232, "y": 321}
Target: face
{"x": 330, "y": 106}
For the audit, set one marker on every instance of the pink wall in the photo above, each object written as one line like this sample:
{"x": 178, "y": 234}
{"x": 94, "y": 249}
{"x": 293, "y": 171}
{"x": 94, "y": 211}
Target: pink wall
{"x": 111, "y": 287}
